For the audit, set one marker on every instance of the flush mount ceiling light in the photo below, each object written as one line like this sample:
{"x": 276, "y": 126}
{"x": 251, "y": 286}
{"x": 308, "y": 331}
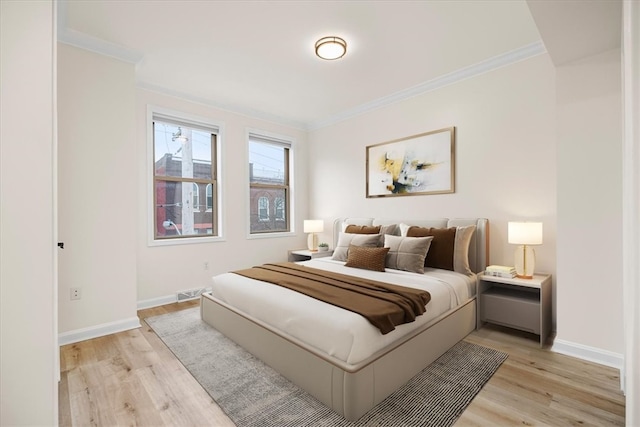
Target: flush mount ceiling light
{"x": 331, "y": 47}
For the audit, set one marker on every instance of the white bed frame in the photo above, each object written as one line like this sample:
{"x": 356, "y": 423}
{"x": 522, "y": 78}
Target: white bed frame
{"x": 353, "y": 389}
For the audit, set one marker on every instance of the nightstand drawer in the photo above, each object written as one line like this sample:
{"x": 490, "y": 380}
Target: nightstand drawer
{"x": 515, "y": 309}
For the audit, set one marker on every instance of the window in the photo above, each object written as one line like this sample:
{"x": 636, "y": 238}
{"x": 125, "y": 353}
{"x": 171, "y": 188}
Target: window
{"x": 269, "y": 182}
{"x": 209, "y": 195}
{"x": 279, "y": 209}
{"x": 196, "y": 197}
{"x": 263, "y": 209}
{"x": 185, "y": 161}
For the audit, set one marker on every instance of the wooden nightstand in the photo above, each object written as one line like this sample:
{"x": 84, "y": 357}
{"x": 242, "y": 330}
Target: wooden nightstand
{"x": 306, "y": 255}
{"x": 523, "y": 304}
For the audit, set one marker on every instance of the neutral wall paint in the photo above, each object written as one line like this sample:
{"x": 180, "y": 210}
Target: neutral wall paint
{"x": 97, "y": 189}
{"x": 165, "y": 270}
{"x": 505, "y": 156}
{"x": 590, "y": 202}
{"x": 28, "y": 362}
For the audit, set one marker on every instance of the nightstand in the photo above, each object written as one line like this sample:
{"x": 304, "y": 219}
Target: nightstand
{"x": 523, "y": 304}
{"x": 306, "y": 255}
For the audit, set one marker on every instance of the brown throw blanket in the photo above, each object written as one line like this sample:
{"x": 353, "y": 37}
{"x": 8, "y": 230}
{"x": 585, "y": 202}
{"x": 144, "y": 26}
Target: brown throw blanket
{"x": 383, "y": 304}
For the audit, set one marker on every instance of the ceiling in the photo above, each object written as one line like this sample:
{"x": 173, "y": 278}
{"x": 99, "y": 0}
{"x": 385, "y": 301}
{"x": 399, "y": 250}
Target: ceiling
{"x": 257, "y": 57}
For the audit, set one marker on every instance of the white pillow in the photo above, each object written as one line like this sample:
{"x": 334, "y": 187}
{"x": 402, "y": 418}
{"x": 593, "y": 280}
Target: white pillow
{"x": 461, "y": 249}
{"x": 407, "y": 253}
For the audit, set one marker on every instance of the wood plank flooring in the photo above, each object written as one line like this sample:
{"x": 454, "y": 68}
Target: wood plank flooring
{"x": 132, "y": 379}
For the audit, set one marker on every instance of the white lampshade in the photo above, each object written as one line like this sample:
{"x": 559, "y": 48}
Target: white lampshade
{"x": 525, "y": 233}
{"x": 313, "y": 226}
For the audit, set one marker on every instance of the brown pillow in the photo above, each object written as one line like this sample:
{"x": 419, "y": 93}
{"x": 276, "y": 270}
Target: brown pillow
{"x": 442, "y": 247}
{"x": 347, "y": 239}
{"x": 367, "y": 258}
{"x": 362, "y": 229}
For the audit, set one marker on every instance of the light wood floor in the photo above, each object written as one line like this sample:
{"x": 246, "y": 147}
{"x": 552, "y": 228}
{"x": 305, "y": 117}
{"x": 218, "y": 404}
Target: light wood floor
{"x": 131, "y": 378}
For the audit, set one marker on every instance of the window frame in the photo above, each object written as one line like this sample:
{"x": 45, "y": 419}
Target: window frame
{"x": 289, "y": 212}
{"x": 155, "y": 113}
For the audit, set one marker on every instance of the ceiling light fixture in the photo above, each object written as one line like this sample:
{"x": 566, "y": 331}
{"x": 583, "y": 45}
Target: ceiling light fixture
{"x": 331, "y": 48}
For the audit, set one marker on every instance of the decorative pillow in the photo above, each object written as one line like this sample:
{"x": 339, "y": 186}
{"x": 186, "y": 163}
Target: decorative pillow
{"x": 442, "y": 247}
{"x": 403, "y": 229}
{"x": 389, "y": 229}
{"x": 362, "y": 229}
{"x": 346, "y": 239}
{"x": 366, "y": 258}
{"x": 407, "y": 253}
{"x": 461, "y": 250}
{"x": 371, "y": 229}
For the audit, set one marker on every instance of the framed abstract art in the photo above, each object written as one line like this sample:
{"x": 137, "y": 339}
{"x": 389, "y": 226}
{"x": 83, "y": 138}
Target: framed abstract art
{"x": 414, "y": 165}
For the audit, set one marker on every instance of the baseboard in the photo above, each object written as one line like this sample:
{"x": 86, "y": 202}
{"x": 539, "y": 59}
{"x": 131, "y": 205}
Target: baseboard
{"x": 155, "y": 302}
{"x": 98, "y": 331}
{"x": 591, "y": 354}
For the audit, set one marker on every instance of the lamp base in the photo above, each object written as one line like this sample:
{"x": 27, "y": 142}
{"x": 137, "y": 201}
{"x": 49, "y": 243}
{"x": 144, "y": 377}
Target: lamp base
{"x": 312, "y": 242}
{"x": 525, "y": 262}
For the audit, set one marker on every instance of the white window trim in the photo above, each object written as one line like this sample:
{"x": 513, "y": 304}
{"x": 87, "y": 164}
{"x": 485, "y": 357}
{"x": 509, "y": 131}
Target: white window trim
{"x": 160, "y": 112}
{"x": 285, "y": 139}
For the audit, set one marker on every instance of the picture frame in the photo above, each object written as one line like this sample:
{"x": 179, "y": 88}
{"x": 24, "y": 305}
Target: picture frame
{"x": 415, "y": 165}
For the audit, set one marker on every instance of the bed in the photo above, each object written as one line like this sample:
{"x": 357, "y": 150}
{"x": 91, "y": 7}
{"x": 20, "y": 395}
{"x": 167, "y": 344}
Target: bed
{"x": 334, "y": 354}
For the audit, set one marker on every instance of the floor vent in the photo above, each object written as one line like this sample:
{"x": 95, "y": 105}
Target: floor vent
{"x": 191, "y": 294}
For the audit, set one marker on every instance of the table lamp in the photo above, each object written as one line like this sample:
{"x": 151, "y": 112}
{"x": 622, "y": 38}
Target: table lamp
{"x": 525, "y": 234}
{"x": 313, "y": 226}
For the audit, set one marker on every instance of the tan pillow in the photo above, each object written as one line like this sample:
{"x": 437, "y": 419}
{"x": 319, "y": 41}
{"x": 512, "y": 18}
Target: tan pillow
{"x": 345, "y": 239}
{"x": 407, "y": 253}
{"x": 367, "y": 258}
{"x": 461, "y": 250}
{"x": 440, "y": 253}
{"x": 362, "y": 229}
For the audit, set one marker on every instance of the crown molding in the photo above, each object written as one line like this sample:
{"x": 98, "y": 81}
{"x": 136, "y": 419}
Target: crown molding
{"x": 235, "y": 109}
{"x": 85, "y": 41}
{"x": 102, "y": 47}
{"x": 511, "y": 57}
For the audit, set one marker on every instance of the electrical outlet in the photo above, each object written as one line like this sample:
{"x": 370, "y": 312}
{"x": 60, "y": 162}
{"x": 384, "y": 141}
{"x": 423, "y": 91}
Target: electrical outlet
{"x": 76, "y": 293}
{"x": 206, "y": 265}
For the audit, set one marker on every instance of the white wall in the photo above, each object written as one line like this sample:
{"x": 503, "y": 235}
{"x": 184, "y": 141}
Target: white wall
{"x": 165, "y": 270}
{"x": 590, "y": 203}
{"x": 97, "y": 192}
{"x": 505, "y": 155}
{"x": 28, "y": 354}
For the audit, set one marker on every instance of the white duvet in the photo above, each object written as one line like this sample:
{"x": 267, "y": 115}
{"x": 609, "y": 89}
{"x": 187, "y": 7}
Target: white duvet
{"x": 337, "y": 332}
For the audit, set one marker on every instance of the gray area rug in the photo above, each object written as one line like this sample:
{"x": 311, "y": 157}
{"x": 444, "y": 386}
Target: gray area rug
{"x": 253, "y": 394}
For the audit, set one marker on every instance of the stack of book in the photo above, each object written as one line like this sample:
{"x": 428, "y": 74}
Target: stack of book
{"x": 500, "y": 271}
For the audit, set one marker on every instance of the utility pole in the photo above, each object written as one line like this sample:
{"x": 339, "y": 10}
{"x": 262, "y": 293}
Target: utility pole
{"x": 187, "y": 187}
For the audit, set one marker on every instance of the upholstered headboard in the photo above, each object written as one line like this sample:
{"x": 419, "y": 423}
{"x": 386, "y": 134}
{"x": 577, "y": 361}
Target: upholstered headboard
{"x": 478, "y": 247}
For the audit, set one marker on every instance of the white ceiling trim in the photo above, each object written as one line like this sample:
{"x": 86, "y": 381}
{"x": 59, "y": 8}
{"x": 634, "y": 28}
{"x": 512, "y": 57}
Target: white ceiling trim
{"x": 516, "y": 55}
{"x": 94, "y": 44}
{"x": 87, "y": 42}
{"x": 249, "y": 112}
